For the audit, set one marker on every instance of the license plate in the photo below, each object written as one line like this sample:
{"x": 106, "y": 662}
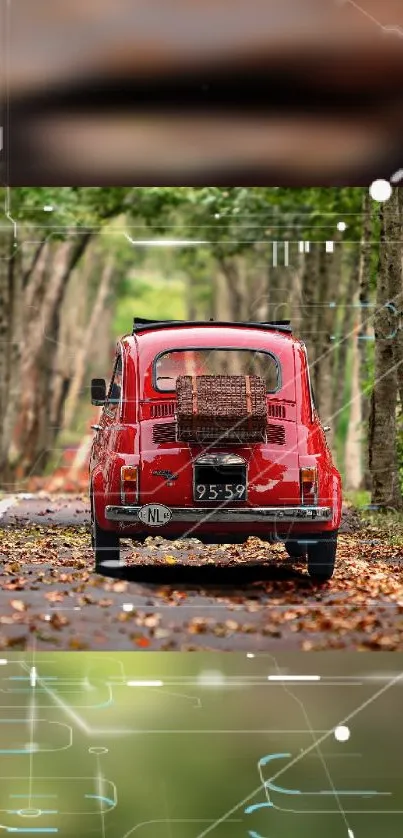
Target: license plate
{"x": 154, "y": 514}
{"x": 220, "y": 491}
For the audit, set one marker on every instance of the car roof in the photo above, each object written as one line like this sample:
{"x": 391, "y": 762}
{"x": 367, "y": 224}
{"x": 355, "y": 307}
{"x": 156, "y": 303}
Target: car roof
{"x": 189, "y": 335}
{"x": 140, "y": 324}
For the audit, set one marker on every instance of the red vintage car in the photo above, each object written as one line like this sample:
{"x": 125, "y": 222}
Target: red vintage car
{"x": 144, "y": 480}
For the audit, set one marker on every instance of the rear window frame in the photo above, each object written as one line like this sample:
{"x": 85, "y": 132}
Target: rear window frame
{"x": 218, "y": 349}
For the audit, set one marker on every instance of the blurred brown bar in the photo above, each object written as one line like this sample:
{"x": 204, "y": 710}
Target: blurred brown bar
{"x": 270, "y": 92}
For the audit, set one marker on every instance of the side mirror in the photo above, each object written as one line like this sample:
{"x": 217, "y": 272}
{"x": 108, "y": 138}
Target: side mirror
{"x": 98, "y": 391}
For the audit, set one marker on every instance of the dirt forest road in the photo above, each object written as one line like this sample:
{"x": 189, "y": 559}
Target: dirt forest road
{"x": 183, "y": 595}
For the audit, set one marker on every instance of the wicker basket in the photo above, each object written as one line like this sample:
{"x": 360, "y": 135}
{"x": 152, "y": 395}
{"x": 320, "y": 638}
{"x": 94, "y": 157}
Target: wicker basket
{"x": 227, "y": 408}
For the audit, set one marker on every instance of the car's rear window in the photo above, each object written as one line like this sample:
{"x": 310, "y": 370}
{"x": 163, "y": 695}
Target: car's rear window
{"x": 169, "y": 365}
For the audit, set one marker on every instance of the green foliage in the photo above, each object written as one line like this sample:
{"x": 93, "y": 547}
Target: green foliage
{"x": 234, "y": 218}
{"x": 72, "y": 206}
{"x": 359, "y": 498}
{"x": 221, "y": 213}
{"x": 149, "y": 296}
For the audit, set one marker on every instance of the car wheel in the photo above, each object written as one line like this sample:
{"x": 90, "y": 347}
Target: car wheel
{"x": 295, "y": 549}
{"x": 105, "y": 545}
{"x": 321, "y": 551}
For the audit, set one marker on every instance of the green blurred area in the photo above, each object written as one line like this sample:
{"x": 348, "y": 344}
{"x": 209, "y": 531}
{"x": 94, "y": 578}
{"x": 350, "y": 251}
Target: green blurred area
{"x": 151, "y": 295}
{"x": 180, "y": 758}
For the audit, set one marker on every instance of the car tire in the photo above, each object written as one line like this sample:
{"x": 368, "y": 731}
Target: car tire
{"x": 105, "y": 545}
{"x": 295, "y": 549}
{"x": 321, "y": 551}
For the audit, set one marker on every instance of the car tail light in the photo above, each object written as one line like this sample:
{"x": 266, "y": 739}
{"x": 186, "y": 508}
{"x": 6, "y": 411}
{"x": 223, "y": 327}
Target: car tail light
{"x": 309, "y": 485}
{"x": 129, "y": 484}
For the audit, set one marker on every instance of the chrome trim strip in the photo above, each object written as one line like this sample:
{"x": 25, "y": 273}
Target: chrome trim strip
{"x": 219, "y": 459}
{"x": 311, "y": 398}
{"x": 189, "y": 514}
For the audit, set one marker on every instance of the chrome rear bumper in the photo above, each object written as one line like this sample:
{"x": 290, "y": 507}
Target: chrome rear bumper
{"x": 246, "y": 515}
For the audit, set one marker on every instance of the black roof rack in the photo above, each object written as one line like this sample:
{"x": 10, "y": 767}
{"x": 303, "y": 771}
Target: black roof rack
{"x": 140, "y": 324}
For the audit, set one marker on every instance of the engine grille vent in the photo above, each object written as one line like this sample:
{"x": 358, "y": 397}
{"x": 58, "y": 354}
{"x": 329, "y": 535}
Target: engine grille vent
{"x": 276, "y": 434}
{"x": 277, "y": 411}
{"x": 164, "y": 432}
{"x": 162, "y": 409}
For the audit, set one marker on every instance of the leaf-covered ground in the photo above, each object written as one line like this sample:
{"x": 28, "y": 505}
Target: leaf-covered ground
{"x": 183, "y": 595}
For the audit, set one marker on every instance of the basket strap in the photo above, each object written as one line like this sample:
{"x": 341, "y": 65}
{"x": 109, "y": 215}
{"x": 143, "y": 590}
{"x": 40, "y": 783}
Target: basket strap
{"x": 194, "y": 395}
{"x": 248, "y": 395}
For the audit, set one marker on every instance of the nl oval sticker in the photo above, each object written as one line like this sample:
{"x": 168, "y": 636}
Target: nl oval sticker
{"x": 154, "y": 514}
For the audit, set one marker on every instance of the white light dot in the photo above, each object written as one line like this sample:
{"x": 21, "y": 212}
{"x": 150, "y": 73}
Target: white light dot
{"x": 48, "y": 208}
{"x": 341, "y": 225}
{"x": 380, "y": 190}
{"x": 47, "y": 617}
{"x": 342, "y": 733}
{"x": 211, "y": 678}
{"x": 250, "y": 655}
{"x": 31, "y": 746}
{"x": 127, "y": 606}
{"x": 217, "y": 215}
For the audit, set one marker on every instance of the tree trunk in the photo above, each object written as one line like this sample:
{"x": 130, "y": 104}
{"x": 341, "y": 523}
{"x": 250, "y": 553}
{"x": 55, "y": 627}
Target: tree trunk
{"x": 100, "y": 353}
{"x": 278, "y": 294}
{"x": 396, "y": 281}
{"x": 245, "y": 287}
{"x": 66, "y": 256}
{"x": 7, "y": 257}
{"x": 329, "y": 282}
{"x": 365, "y": 326}
{"x": 258, "y": 295}
{"x": 7, "y": 452}
{"x": 310, "y": 273}
{"x": 81, "y": 358}
{"x": 222, "y": 300}
{"x": 296, "y": 293}
{"x": 346, "y": 338}
{"x": 34, "y": 281}
{"x": 382, "y": 441}
{"x": 34, "y": 435}
{"x": 232, "y": 292}
{"x": 353, "y": 452}
{"x": 38, "y": 253}
{"x": 190, "y": 297}
{"x": 73, "y": 319}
